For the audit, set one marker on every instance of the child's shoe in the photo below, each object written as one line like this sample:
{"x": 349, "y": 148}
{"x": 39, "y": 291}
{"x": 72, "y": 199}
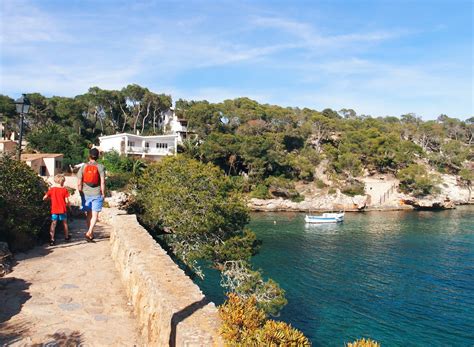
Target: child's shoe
{"x": 68, "y": 238}
{"x": 52, "y": 243}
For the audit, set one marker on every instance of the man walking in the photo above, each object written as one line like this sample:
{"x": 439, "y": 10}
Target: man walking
{"x": 91, "y": 186}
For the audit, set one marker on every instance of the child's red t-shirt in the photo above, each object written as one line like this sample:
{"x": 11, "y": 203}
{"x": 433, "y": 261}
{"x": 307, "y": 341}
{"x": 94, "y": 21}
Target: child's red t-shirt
{"x": 58, "y": 197}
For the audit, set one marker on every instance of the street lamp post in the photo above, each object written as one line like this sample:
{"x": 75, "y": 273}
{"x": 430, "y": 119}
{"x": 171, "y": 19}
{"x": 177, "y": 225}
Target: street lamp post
{"x": 22, "y": 107}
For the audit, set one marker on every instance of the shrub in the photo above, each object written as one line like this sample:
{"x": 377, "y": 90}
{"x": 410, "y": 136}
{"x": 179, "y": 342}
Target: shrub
{"x": 363, "y": 343}
{"x": 320, "y": 184}
{"x": 118, "y": 181}
{"x": 416, "y": 180}
{"x": 281, "y": 187}
{"x": 354, "y": 188}
{"x": 260, "y": 192}
{"x": 116, "y": 163}
{"x": 240, "y": 319}
{"x": 297, "y": 198}
{"x": 123, "y": 170}
{"x": 245, "y": 324}
{"x": 332, "y": 191}
{"x": 281, "y": 334}
{"x": 23, "y": 213}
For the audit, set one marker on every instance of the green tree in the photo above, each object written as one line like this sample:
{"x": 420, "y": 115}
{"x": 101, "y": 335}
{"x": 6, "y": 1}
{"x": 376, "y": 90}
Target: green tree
{"x": 466, "y": 175}
{"x": 55, "y": 139}
{"x": 8, "y": 115}
{"x": 201, "y": 216}
{"x": 416, "y": 180}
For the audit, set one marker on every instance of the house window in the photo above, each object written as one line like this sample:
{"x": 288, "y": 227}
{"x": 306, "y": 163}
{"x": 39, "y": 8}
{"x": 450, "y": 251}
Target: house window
{"x": 147, "y": 145}
{"x": 57, "y": 164}
{"x": 131, "y": 144}
{"x": 162, "y": 145}
{"x": 43, "y": 170}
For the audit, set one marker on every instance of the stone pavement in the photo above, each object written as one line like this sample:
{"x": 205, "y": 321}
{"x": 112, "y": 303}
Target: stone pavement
{"x": 66, "y": 295}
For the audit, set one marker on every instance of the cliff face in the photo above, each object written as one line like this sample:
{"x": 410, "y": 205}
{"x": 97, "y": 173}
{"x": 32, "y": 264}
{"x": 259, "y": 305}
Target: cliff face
{"x": 381, "y": 193}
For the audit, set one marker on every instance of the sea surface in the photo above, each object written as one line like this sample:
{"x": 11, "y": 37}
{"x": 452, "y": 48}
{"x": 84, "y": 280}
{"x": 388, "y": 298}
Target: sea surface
{"x": 401, "y": 278}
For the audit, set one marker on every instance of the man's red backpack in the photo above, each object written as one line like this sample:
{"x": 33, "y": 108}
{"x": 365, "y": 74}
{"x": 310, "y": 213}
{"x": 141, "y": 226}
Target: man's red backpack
{"x": 90, "y": 175}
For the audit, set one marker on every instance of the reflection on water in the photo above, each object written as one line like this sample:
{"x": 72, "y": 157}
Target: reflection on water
{"x": 323, "y": 228}
{"x": 402, "y": 278}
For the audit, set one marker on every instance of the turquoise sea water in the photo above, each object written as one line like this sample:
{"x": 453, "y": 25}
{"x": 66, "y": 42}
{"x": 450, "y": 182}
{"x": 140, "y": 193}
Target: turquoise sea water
{"x": 401, "y": 278}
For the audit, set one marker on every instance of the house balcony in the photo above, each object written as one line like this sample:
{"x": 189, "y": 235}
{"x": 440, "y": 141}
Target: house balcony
{"x": 149, "y": 151}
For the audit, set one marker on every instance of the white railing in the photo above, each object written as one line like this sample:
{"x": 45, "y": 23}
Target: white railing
{"x": 147, "y": 150}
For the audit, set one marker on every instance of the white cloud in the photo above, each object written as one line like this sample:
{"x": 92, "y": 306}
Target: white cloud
{"x": 66, "y": 81}
{"x": 23, "y": 23}
{"x": 310, "y": 38}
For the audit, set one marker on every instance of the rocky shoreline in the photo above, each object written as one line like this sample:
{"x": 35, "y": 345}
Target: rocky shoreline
{"x": 278, "y": 205}
{"x": 381, "y": 194}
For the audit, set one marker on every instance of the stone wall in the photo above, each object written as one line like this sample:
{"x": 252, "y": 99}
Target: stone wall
{"x": 171, "y": 310}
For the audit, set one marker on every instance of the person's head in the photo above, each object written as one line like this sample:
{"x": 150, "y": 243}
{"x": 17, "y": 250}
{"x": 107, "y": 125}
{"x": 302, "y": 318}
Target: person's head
{"x": 59, "y": 179}
{"x": 93, "y": 154}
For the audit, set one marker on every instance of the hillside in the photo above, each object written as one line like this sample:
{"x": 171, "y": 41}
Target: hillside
{"x": 270, "y": 151}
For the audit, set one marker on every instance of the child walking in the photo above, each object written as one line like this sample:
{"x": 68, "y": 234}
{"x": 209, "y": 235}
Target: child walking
{"x": 59, "y": 200}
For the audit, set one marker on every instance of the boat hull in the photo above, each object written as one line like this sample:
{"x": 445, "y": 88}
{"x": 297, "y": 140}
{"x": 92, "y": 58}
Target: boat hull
{"x": 325, "y": 218}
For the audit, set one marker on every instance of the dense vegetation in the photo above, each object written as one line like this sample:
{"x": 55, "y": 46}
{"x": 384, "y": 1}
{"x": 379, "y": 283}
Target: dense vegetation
{"x": 23, "y": 213}
{"x": 261, "y": 141}
{"x": 270, "y": 145}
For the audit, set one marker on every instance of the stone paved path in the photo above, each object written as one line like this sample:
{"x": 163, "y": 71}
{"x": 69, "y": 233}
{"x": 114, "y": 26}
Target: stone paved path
{"x": 66, "y": 295}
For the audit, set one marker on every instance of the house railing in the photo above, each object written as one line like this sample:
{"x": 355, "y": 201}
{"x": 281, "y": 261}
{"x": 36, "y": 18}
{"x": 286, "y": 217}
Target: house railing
{"x": 148, "y": 150}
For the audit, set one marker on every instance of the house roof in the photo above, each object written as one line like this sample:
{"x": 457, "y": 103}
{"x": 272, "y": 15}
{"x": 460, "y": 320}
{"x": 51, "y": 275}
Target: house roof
{"x": 35, "y": 156}
{"x": 136, "y": 136}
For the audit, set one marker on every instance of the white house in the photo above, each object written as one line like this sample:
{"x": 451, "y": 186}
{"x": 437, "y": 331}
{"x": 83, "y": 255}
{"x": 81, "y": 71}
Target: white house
{"x": 44, "y": 164}
{"x": 150, "y": 147}
{"x": 171, "y": 124}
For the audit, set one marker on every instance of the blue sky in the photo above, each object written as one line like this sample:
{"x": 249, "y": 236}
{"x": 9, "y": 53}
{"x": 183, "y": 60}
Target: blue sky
{"x": 377, "y": 57}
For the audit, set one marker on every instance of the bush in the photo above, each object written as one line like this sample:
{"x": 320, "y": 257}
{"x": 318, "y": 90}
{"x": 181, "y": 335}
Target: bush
{"x": 245, "y": 324}
{"x": 23, "y": 213}
{"x": 297, "y": 198}
{"x": 320, "y": 184}
{"x": 353, "y": 189}
{"x": 116, "y": 163}
{"x": 281, "y": 187}
{"x": 118, "y": 181}
{"x": 417, "y": 181}
{"x": 363, "y": 343}
{"x": 123, "y": 170}
{"x": 260, "y": 192}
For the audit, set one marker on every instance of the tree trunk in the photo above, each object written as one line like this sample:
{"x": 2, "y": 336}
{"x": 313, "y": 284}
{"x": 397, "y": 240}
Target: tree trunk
{"x": 146, "y": 116}
{"x": 136, "y": 118}
{"x": 124, "y": 118}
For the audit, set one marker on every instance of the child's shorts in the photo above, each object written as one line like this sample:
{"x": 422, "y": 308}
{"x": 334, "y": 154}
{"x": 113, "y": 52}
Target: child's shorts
{"x": 60, "y": 216}
{"x": 92, "y": 203}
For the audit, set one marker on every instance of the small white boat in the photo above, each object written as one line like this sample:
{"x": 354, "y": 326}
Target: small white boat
{"x": 325, "y": 218}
